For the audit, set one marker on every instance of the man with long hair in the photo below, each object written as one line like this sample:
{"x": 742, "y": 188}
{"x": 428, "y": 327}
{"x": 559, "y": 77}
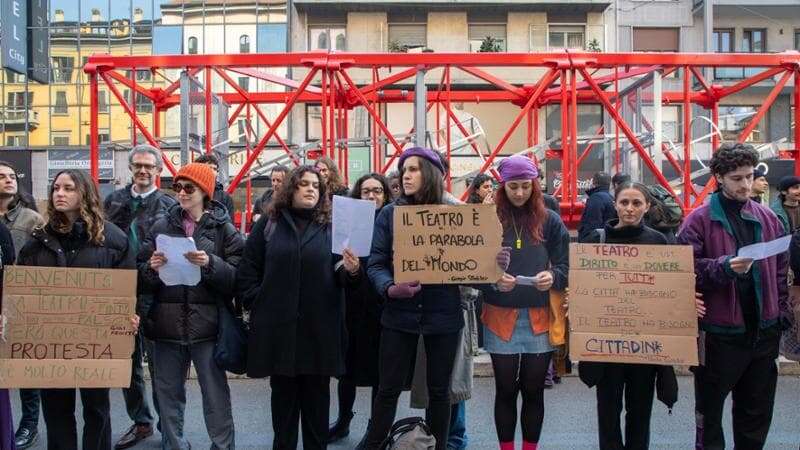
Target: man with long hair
{"x": 20, "y": 217}
{"x": 134, "y": 209}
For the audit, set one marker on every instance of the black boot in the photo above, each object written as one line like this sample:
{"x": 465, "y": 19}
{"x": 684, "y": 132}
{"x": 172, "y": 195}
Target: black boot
{"x": 341, "y": 428}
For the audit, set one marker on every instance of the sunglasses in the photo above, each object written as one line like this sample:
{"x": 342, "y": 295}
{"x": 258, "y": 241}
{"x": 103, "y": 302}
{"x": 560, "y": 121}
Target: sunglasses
{"x": 185, "y": 187}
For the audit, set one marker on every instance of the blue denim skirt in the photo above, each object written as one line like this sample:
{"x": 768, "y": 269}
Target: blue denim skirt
{"x": 522, "y": 339}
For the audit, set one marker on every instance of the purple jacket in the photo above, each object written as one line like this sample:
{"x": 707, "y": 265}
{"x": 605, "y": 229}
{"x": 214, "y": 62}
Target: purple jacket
{"x": 708, "y": 231}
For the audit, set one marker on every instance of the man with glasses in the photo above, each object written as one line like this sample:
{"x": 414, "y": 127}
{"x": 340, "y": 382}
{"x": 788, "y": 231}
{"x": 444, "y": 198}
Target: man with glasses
{"x": 219, "y": 191}
{"x": 134, "y": 209}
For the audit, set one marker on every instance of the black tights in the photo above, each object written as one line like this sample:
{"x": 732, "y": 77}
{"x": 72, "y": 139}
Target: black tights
{"x": 346, "y": 390}
{"x": 512, "y": 374}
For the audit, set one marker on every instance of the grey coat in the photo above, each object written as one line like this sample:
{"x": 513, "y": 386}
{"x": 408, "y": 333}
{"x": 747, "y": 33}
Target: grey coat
{"x": 21, "y": 221}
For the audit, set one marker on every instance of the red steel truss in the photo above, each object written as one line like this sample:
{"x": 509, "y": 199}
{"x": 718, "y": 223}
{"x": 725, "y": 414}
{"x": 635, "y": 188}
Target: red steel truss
{"x": 568, "y": 78}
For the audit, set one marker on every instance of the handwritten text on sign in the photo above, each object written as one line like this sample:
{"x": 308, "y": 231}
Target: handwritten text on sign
{"x": 632, "y": 303}
{"x": 67, "y": 327}
{"x": 438, "y": 244}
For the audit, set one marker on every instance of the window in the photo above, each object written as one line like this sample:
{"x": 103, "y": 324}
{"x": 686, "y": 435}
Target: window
{"x": 590, "y": 117}
{"x": 320, "y": 38}
{"x": 143, "y": 104}
{"x": 244, "y": 83}
{"x": 244, "y": 44}
{"x": 313, "y": 122}
{"x": 566, "y": 36}
{"x": 271, "y": 38}
{"x": 17, "y": 141}
{"x": 102, "y": 136}
{"x": 60, "y": 106}
{"x": 141, "y": 75}
{"x": 102, "y": 101}
{"x": 18, "y": 99}
{"x": 656, "y": 39}
{"x": 168, "y": 40}
{"x": 797, "y": 39}
{"x": 192, "y": 45}
{"x": 407, "y": 36}
{"x": 754, "y": 40}
{"x": 734, "y": 119}
{"x": 241, "y": 131}
{"x": 62, "y": 69}
{"x": 60, "y": 139}
{"x": 14, "y": 77}
{"x": 722, "y": 42}
{"x": 487, "y": 37}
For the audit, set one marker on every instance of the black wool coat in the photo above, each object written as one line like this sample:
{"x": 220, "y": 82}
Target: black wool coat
{"x": 293, "y": 288}
{"x": 45, "y": 248}
{"x": 189, "y": 314}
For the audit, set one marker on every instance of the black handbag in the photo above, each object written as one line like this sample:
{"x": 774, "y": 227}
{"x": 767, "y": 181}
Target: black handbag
{"x": 230, "y": 351}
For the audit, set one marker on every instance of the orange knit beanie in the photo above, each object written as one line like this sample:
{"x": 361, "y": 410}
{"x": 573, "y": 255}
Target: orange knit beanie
{"x": 201, "y": 175}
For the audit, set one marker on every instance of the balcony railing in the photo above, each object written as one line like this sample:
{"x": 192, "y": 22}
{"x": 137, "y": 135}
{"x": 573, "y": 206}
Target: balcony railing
{"x": 19, "y": 115}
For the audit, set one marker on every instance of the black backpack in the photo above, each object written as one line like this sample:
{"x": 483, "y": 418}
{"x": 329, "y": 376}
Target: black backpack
{"x": 411, "y": 433}
{"x": 665, "y": 213}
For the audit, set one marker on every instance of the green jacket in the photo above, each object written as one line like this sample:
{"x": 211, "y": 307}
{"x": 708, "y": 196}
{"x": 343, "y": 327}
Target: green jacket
{"x": 777, "y": 208}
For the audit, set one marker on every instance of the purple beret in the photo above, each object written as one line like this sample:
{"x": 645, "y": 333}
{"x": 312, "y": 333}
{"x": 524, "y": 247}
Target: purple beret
{"x": 425, "y": 153}
{"x": 517, "y": 167}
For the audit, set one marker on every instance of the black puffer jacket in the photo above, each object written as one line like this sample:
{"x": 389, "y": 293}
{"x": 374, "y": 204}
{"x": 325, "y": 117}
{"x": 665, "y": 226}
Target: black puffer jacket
{"x": 118, "y": 210}
{"x": 222, "y": 196}
{"x": 46, "y": 247}
{"x": 188, "y": 314}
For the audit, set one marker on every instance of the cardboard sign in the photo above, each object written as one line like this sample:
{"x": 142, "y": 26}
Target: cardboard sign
{"x": 632, "y": 304}
{"x": 67, "y": 327}
{"x": 443, "y": 244}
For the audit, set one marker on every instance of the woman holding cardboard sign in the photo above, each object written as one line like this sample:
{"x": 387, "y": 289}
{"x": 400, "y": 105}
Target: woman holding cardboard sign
{"x": 516, "y": 316}
{"x": 636, "y": 382}
{"x": 77, "y": 236}
{"x": 6, "y": 425}
{"x": 411, "y": 310}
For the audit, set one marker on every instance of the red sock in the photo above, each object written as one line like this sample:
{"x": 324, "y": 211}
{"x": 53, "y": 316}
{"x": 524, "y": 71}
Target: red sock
{"x": 529, "y": 445}
{"x": 507, "y": 445}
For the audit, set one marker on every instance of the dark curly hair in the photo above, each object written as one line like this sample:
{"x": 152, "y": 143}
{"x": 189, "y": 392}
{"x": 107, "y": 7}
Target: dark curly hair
{"x": 731, "y": 156}
{"x": 387, "y": 191}
{"x": 283, "y": 199}
{"x": 476, "y": 183}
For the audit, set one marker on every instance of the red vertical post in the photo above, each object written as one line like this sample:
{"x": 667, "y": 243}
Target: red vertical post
{"x": 94, "y": 150}
{"x": 617, "y": 103}
{"x": 796, "y": 119}
{"x": 573, "y": 140}
{"x": 376, "y": 155}
{"x": 346, "y": 148}
{"x": 438, "y": 123}
{"x": 209, "y": 111}
{"x": 565, "y": 169}
{"x": 157, "y": 132}
{"x": 529, "y": 129}
{"x": 449, "y": 111}
{"x": 332, "y": 115}
{"x": 715, "y": 120}
{"x": 134, "y": 138}
{"x": 687, "y": 138}
{"x": 323, "y": 122}
{"x": 248, "y": 207}
{"x": 535, "y": 125}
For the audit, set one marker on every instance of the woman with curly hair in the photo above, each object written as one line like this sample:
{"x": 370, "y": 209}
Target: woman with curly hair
{"x": 331, "y": 176}
{"x": 76, "y": 235}
{"x": 293, "y": 287}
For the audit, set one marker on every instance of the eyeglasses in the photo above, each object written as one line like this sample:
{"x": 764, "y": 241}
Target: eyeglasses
{"x": 188, "y": 188}
{"x": 140, "y": 166}
{"x": 367, "y": 191}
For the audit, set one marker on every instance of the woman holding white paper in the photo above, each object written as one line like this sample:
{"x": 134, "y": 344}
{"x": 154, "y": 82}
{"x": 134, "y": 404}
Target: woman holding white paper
{"x": 77, "y": 236}
{"x": 292, "y": 284}
{"x": 516, "y": 316}
{"x": 635, "y": 382}
{"x": 363, "y": 318}
{"x": 183, "y": 321}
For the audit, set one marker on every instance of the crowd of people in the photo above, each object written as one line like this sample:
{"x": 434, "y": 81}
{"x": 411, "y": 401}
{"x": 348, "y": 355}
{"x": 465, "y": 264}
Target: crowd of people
{"x": 313, "y": 315}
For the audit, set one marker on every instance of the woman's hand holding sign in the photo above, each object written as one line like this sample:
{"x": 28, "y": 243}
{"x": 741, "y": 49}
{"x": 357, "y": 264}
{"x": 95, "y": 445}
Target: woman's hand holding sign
{"x": 543, "y": 281}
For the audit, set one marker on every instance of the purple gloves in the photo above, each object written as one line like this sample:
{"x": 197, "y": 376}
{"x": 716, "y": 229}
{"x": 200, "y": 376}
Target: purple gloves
{"x": 404, "y": 290}
{"x": 504, "y": 258}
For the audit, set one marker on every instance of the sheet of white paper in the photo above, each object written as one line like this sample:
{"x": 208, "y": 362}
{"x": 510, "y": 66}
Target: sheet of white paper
{"x": 178, "y": 269}
{"x": 525, "y": 281}
{"x": 764, "y": 250}
{"x": 353, "y": 222}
